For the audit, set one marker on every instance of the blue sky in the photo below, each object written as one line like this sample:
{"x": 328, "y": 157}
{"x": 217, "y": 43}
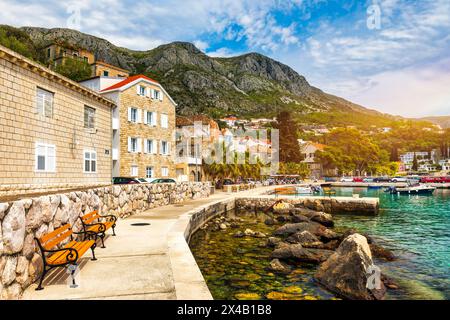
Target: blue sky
{"x": 400, "y": 66}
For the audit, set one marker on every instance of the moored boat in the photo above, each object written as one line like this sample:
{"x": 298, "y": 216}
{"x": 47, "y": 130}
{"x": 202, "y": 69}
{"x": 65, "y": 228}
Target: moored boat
{"x": 419, "y": 189}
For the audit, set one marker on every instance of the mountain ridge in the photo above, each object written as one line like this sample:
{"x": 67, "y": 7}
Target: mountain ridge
{"x": 248, "y": 85}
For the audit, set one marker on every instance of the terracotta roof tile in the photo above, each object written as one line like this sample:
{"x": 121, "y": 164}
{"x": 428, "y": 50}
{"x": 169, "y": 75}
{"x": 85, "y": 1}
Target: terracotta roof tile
{"x": 127, "y": 81}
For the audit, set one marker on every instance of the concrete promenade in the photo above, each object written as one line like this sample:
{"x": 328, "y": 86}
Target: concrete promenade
{"x": 136, "y": 264}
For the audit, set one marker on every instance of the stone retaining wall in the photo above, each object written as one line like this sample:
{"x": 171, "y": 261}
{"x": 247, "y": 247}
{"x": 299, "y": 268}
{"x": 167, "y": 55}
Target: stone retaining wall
{"x": 23, "y": 220}
{"x": 337, "y": 205}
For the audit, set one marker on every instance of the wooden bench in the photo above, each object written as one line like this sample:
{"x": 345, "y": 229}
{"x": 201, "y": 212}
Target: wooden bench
{"x": 69, "y": 254}
{"x": 93, "y": 222}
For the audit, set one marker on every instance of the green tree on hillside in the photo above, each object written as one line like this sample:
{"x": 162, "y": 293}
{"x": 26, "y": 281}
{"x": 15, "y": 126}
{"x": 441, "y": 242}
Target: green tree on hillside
{"x": 74, "y": 69}
{"x": 288, "y": 130}
{"x": 18, "y": 41}
{"x": 350, "y": 150}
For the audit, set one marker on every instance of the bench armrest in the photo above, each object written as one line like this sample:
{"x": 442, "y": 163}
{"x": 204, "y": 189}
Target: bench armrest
{"x": 101, "y": 229}
{"x": 110, "y": 217}
{"x": 88, "y": 234}
{"x": 71, "y": 257}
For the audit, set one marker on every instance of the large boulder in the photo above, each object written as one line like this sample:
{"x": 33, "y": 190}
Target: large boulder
{"x": 298, "y": 253}
{"x": 13, "y": 229}
{"x": 304, "y": 237}
{"x": 313, "y": 227}
{"x": 323, "y": 218}
{"x": 348, "y": 271}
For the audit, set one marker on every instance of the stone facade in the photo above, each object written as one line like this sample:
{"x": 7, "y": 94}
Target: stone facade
{"x": 21, "y": 221}
{"x": 59, "y": 131}
{"x": 128, "y": 97}
{"x": 99, "y": 68}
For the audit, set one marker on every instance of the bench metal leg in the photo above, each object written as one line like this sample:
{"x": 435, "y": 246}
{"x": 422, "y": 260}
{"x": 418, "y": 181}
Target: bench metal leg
{"x": 102, "y": 237}
{"x": 44, "y": 272}
{"x": 114, "y": 231}
{"x": 93, "y": 253}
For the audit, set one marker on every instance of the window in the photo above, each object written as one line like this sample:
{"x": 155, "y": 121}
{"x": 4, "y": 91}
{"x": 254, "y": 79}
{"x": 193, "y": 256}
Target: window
{"x": 149, "y": 146}
{"x": 133, "y": 115}
{"x": 150, "y": 118}
{"x": 156, "y": 95}
{"x": 132, "y": 145}
{"x": 89, "y": 117}
{"x": 164, "y": 148}
{"x": 134, "y": 171}
{"x": 105, "y": 73}
{"x": 90, "y": 161}
{"x": 149, "y": 172}
{"x": 44, "y": 102}
{"x": 164, "y": 172}
{"x": 141, "y": 90}
{"x": 164, "y": 121}
{"x": 45, "y": 157}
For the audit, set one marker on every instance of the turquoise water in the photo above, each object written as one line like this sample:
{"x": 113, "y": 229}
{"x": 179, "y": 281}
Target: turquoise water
{"x": 417, "y": 229}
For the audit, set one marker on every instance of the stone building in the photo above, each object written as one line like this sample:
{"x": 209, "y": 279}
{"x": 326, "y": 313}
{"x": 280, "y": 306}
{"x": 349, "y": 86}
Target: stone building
{"x": 143, "y": 126}
{"x": 54, "y": 133}
{"x": 195, "y": 135}
{"x": 57, "y": 53}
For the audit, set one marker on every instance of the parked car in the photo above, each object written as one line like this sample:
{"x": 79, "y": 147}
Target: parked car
{"x": 346, "y": 179}
{"x": 227, "y": 182}
{"x": 382, "y": 179}
{"x": 142, "y": 180}
{"x": 330, "y": 179}
{"x": 358, "y": 179}
{"x": 165, "y": 180}
{"x": 433, "y": 179}
{"x": 368, "y": 180}
{"x": 125, "y": 180}
{"x": 399, "y": 179}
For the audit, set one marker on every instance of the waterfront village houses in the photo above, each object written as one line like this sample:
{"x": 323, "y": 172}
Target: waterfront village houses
{"x": 57, "y": 53}
{"x": 54, "y": 133}
{"x": 195, "y": 135}
{"x": 143, "y": 138}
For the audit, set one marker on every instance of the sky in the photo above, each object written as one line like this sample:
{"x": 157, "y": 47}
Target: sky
{"x": 389, "y": 55}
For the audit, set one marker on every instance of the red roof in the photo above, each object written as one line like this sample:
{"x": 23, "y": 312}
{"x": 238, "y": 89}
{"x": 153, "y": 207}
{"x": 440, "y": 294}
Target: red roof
{"x": 127, "y": 81}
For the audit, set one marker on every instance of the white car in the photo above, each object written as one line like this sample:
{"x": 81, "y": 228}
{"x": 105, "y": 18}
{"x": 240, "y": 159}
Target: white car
{"x": 399, "y": 179}
{"x": 344, "y": 179}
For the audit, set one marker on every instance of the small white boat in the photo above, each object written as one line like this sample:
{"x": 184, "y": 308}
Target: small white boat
{"x": 304, "y": 190}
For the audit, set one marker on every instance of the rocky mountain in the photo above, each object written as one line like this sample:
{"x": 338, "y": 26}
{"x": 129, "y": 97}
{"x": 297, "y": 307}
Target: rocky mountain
{"x": 249, "y": 85}
{"x": 443, "y": 121}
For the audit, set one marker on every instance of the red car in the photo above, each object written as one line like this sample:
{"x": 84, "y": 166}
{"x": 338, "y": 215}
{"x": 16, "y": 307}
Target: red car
{"x": 432, "y": 180}
{"x": 446, "y": 179}
{"x": 358, "y": 179}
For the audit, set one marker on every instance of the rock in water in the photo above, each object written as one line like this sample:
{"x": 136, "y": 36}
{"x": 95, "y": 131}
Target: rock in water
{"x": 302, "y": 238}
{"x": 347, "y": 271}
{"x": 297, "y": 252}
{"x": 279, "y": 267}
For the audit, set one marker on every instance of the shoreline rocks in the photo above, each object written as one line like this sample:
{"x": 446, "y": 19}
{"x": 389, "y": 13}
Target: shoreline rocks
{"x": 347, "y": 272}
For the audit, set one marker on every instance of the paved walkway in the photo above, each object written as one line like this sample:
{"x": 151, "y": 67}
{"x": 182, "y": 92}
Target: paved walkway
{"x": 135, "y": 264}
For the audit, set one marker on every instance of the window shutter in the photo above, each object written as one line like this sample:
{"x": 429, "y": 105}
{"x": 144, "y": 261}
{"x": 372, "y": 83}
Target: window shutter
{"x": 139, "y": 145}
{"x": 148, "y": 92}
{"x": 145, "y": 116}
{"x": 153, "y": 93}
{"x": 145, "y": 146}
{"x": 129, "y": 144}
{"x": 138, "y": 88}
{"x": 161, "y": 94}
{"x": 168, "y": 148}
{"x": 139, "y": 116}
{"x": 154, "y": 119}
{"x": 129, "y": 114}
